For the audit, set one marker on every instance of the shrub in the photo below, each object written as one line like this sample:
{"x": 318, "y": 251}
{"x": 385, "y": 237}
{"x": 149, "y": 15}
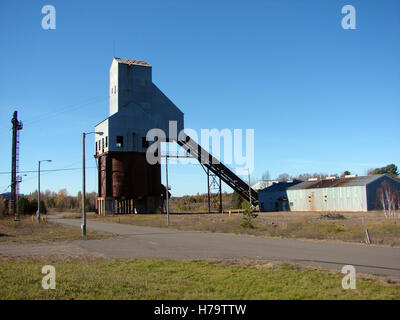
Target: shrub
{"x": 26, "y": 206}
{"x": 248, "y": 216}
{"x": 332, "y": 216}
{"x": 3, "y": 207}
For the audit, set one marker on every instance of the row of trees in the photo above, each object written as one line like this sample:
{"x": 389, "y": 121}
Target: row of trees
{"x": 25, "y": 206}
{"x": 302, "y": 176}
{"x": 199, "y": 202}
{"x": 60, "y": 200}
{"x": 64, "y": 201}
{"x": 390, "y": 169}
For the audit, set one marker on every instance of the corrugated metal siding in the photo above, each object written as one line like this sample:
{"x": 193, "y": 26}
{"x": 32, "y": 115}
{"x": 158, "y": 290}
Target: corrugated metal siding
{"x": 268, "y": 201}
{"x": 351, "y": 198}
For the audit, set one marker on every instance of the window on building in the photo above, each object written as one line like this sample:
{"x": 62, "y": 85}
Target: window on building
{"x": 120, "y": 141}
{"x": 106, "y": 142}
{"x": 96, "y": 146}
{"x": 102, "y": 144}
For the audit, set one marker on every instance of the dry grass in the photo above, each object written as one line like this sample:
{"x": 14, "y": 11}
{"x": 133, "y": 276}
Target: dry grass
{"x": 27, "y": 230}
{"x": 167, "y": 279}
{"x": 311, "y": 225}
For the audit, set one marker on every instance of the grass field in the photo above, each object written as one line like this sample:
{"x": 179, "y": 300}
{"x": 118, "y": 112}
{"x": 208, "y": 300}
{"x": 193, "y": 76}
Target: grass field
{"x": 311, "y": 225}
{"x": 27, "y": 230}
{"x": 153, "y": 279}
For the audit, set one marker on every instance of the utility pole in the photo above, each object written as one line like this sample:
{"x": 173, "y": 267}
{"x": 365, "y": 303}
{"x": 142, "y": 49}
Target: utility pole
{"x": 38, "y": 210}
{"x": 166, "y": 182}
{"x": 166, "y": 156}
{"x": 83, "y": 226}
{"x": 248, "y": 170}
{"x": 208, "y": 190}
{"x": 220, "y": 195}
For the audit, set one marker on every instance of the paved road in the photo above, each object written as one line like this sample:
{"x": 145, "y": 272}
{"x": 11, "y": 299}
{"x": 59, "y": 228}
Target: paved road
{"x": 149, "y": 242}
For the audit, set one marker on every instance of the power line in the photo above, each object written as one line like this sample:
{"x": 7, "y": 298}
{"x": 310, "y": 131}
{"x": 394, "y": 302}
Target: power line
{"x": 67, "y": 108}
{"x": 49, "y": 170}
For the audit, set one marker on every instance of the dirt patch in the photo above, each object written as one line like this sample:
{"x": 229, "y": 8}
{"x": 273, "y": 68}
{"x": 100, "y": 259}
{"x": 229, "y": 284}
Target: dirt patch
{"x": 27, "y": 230}
{"x": 63, "y": 250}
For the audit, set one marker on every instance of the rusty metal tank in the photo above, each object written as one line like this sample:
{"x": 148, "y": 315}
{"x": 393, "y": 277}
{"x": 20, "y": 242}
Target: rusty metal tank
{"x": 119, "y": 179}
{"x": 128, "y": 175}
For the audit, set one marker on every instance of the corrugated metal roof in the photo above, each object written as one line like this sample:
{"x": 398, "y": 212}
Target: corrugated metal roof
{"x": 130, "y": 62}
{"x": 280, "y": 186}
{"x": 262, "y": 184}
{"x": 338, "y": 182}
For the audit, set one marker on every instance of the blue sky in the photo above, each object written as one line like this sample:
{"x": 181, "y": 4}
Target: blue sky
{"x": 320, "y": 98}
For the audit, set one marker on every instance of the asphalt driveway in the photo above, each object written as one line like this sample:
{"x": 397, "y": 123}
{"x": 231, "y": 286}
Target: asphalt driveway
{"x": 161, "y": 243}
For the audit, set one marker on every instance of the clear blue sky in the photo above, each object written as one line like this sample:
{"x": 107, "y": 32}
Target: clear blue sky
{"x": 320, "y": 98}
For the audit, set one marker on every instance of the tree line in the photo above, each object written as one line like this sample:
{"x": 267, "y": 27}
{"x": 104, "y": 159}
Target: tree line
{"x": 50, "y": 200}
{"x": 390, "y": 169}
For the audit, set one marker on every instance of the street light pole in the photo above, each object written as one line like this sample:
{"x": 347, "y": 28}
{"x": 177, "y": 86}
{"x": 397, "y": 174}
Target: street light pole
{"x": 248, "y": 170}
{"x": 83, "y": 226}
{"x": 38, "y": 199}
{"x": 38, "y": 210}
{"x": 166, "y": 182}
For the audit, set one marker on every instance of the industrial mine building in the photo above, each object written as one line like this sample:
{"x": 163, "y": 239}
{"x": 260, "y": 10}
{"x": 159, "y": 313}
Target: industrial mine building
{"x": 127, "y": 183}
{"x": 351, "y": 193}
{"x": 333, "y": 194}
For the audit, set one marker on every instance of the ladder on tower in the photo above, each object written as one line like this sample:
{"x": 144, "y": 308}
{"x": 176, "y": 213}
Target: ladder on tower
{"x": 15, "y": 179}
{"x": 219, "y": 169}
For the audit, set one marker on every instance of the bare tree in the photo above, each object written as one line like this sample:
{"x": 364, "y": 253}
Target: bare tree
{"x": 381, "y": 198}
{"x": 266, "y": 176}
{"x": 283, "y": 177}
{"x": 398, "y": 203}
{"x": 388, "y": 197}
{"x": 393, "y": 201}
{"x": 304, "y": 176}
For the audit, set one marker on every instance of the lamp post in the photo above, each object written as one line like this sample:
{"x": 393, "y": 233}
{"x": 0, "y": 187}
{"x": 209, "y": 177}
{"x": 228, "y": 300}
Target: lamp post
{"x": 166, "y": 187}
{"x": 248, "y": 170}
{"x": 83, "y": 226}
{"x": 38, "y": 210}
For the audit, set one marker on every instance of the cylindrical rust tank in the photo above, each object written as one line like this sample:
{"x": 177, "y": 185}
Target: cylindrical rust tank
{"x": 102, "y": 176}
{"x": 128, "y": 176}
{"x": 118, "y": 177}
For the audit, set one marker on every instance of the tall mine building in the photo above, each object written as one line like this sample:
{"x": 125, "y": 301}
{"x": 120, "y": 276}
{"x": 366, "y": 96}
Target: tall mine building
{"x": 127, "y": 183}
